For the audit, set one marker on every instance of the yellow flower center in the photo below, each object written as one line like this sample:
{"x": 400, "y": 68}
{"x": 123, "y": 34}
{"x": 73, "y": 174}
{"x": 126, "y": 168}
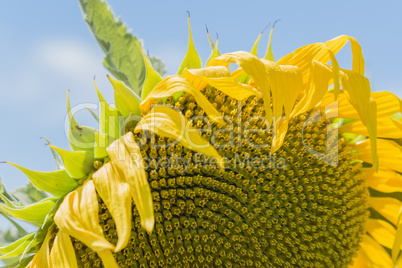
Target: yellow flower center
{"x": 304, "y": 205}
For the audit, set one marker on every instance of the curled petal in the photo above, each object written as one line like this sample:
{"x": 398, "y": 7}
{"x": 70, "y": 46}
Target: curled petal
{"x": 127, "y": 160}
{"x": 78, "y": 217}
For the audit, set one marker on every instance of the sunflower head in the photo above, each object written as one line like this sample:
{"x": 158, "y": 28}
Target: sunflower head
{"x": 274, "y": 164}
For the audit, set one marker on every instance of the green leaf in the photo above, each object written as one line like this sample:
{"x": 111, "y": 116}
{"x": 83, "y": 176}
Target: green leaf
{"x": 28, "y": 194}
{"x": 35, "y": 213}
{"x": 78, "y": 163}
{"x": 191, "y": 60}
{"x": 93, "y": 114}
{"x": 123, "y": 56}
{"x": 57, "y": 183}
{"x": 81, "y": 138}
{"x": 20, "y": 263}
{"x": 126, "y": 101}
{"x": 152, "y": 78}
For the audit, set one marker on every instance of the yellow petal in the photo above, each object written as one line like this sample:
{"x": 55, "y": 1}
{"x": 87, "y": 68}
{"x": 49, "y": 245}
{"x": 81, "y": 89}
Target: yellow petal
{"x": 115, "y": 193}
{"x": 195, "y": 76}
{"x": 397, "y": 246}
{"x": 174, "y": 84}
{"x": 219, "y": 78}
{"x": 107, "y": 258}
{"x": 387, "y": 103}
{"x": 280, "y": 134}
{"x": 303, "y": 58}
{"x": 337, "y": 44}
{"x": 42, "y": 257}
{"x": 389, "y": 153}
{"x": 387, "y": 127}
{"x": 361, "y": 260}
{"x": 253, "y": 67}
{"x": 78, "y": 217}
{"x": 381, "y": 231}
{"x": 286, "y": 86}
{"x": 167, "y": 122}
{"x": 63, "y": 253}
{"x": 378, "y": 257}
{"x": 126, "y": 157}
{"x": 385, "y": 180}
{"x": 321, "y": 78}
{"x": 357, "y": 90}
{"x": 386, "y": 206}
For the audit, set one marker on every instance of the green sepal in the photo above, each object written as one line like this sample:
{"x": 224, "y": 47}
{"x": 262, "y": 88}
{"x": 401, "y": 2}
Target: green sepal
{"x": 81, "y": 138}
{"x": 93, "y": 114}
{"x": 126, "y": 100}
{"x": 152, "y": 78}
{"x": 123, "y": 56}
{"x": 269, "y": 55}
{"x": 20, "y": 263}
{"x": 35, "y": 213}
{"x": 77, "y": 163}
{"x": 109, "y": 118}
{"x": 57, "y": 183}
{"x": 59, "y": 164}
{"x": 191, "y": 59}
{"x": 101, "y": 143}
{"x": 16, "y": 248}
{"x": 215, "y": 52}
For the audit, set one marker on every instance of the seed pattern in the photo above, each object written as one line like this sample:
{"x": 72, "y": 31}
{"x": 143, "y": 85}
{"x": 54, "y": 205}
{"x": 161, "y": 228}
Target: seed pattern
{"x": 282, "y": 209}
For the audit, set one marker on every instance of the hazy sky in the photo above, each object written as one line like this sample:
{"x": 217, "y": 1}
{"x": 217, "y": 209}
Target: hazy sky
{"x": 47, "y": 49}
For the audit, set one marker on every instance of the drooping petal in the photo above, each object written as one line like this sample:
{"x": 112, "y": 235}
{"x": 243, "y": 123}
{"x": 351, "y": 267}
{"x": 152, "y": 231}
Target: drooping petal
{"x": 57, "y": 183}
{"x": 218, "y": 77}
{"x": 321, "y": 77}
{"x": 196, "y": 76}
{"x": 357, "y": 90}
{"x": 252, "y": 66}
{"x": 126, "y": 157}
{"x": 381, "y": 231}
{"x": 42, "y": 257}
{"x": 387, "y": 103}
{"x": 303, "y": 58}
{"x": 167, "y": 122}
{"x": 385, "y": 180}
{"x": 78, "y": 217}
{"x": 286, "y": 86}
{"x": 174, "y": 84}
{"x": 336, "y": 44}
{"x": 389, "y": 153}
{"x": 387, "y": 207}
{"x": 126, "y": 100}
{"x": 63, "y": 253}
{"x": 115, "y": 193}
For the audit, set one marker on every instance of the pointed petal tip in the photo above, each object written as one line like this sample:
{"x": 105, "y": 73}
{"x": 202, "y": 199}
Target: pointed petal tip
{"x": 188, "y": 13}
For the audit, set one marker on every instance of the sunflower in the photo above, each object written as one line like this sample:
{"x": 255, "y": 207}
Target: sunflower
{"x": 288, "y": 163}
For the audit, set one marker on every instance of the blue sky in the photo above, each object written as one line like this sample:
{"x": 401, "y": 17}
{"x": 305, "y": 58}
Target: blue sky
{"x": 47, "y": 49}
